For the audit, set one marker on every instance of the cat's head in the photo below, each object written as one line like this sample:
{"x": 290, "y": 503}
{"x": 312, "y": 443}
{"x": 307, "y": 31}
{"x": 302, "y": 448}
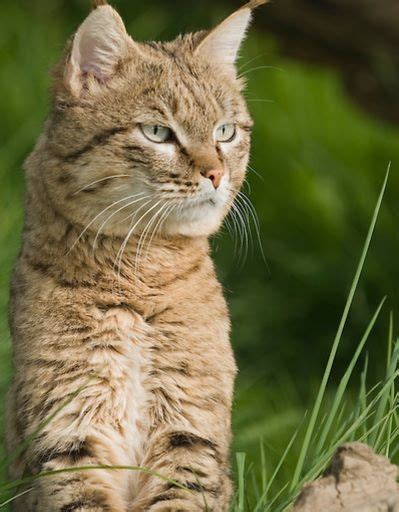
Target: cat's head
{"x": 148, "y": 135}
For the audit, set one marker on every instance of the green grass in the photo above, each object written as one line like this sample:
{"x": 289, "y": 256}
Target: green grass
{"x": 371, "y": 417}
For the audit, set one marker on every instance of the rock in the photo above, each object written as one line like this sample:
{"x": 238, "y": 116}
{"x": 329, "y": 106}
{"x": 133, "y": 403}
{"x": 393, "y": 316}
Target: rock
{"x": 358, "y": 480}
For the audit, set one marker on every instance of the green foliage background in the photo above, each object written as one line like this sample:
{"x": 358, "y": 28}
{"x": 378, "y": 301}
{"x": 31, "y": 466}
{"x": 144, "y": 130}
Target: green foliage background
{"x": 319, "y": 166}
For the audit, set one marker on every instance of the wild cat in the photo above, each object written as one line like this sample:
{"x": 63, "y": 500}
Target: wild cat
{"x": 119, "y": 325}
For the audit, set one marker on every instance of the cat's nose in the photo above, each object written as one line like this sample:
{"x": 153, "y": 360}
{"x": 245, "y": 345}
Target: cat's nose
{"x": 215, "y": 175}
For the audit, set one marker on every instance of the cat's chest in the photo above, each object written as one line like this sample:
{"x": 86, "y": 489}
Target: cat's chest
{"x": 125, "y": 360}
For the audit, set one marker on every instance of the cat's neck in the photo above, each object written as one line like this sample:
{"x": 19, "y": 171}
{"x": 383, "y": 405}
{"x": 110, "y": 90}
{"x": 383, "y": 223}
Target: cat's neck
{"x": 81, "y": 256}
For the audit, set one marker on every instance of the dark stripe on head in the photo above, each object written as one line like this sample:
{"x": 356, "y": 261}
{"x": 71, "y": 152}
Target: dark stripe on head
{"x": 132, "y": 147}
{"x": 134, "y": 154}
{"x": 101, "y": 139}
{"x": 183, "y": 150}
{"x": 40, "y": 266}
{"x": 159, "y": 110}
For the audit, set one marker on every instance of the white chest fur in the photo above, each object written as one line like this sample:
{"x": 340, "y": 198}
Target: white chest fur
{"x": 122, "y": 359}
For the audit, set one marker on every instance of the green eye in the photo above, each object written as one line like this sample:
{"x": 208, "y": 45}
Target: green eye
{"x": 156, "y": 133}
{"x": 226, "y": 133}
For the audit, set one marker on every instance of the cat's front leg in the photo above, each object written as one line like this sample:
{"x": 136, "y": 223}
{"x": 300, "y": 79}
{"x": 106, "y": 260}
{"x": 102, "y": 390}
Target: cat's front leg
{"x": 196, "y": 471}
{"x": 81, "y": 435}
{"x": 89, "y": 490}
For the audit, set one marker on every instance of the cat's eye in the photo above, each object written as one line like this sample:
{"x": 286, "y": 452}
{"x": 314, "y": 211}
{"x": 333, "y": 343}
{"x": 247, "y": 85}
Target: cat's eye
{"x": 156, "y": 133}
{"x": 226, "y": 133}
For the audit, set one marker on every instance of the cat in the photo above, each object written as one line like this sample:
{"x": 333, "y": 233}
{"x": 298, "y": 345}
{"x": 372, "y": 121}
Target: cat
{"x": 120, "y": 328}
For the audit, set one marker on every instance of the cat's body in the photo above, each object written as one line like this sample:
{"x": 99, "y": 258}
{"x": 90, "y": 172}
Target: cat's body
{"x": 125, "y": 346}
{"x": 166, "y": 373}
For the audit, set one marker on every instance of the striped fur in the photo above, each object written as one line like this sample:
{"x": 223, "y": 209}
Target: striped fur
{"x": 120, "y": 328}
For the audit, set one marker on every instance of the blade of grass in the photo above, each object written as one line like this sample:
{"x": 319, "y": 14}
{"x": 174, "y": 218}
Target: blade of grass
{"x": 337, "y": 340}
{"x": 392, "y": 398}
{"x": 390, "y": 340}
{"x": 390, "y": 434}
{"x": 393, "y": 364}
{"x": 363, "y": 389}
{"x": 264, "y": 469}
{"x": 345, "y": 380}
{"x": 323, "y": 460}
{"x": 382, "y": 433}
{"x": 19, "y": 495}
{"x": 270, "y": 505}
{"x": 276, "y": 471}
{"x": 255, "y": 487}
{"x": 241, "y": 480}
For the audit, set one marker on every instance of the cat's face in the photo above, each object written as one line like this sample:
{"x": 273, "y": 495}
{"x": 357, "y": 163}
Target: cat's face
{"x": 148, "y": 136}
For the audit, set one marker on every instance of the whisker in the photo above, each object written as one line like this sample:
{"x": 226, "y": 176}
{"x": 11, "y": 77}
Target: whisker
{"x": 253, "y": 213}
{"x": 248, "y": 185}
{"x": 250, "y": 215}
{"x": 231, "y": 228}
{"x": 161, "y": 221}
{"x": 236, "y": 227}
{"x": 257, "y": 68}
{"x": 245, "y": 64}
{"x": 130, "y": 233}
{"x": 241, "y": 215}
{"x": 115, "y": 213}
{"x": 163, "y": 213}
{"x": 117, "y": 261}
{"x": 99, "y": 215}
{"x": 100, "y": 181}
{"x": 259, "y": 100}
{"x": 145, "y": 233}
{"x": 256, "y": 173}
{"x": 243, "y": 236}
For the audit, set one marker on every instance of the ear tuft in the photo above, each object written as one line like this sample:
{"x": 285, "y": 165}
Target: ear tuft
{"x": 98, "y": 46}
{"x": 98, "y": 3}
{"x": 253, "y": 4}
{"x": 223, "y": 43}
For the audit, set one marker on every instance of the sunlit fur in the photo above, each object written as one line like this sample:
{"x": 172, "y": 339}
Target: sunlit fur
{"x": 115, "y": 303}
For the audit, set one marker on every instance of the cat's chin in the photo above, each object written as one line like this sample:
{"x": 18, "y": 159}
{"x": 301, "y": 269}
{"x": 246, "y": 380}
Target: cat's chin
{"x": 204, "y": 220}
{"x": 193, "y": 229}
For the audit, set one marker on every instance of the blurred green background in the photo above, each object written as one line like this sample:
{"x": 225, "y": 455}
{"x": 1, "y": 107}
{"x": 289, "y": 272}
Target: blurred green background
{"x": 318, "y": 165}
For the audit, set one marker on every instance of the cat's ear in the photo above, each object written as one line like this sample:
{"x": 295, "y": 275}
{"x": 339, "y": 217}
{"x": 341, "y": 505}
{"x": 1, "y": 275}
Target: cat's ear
{"x": 223, "y": 43}
{"x": 99, "y": 45}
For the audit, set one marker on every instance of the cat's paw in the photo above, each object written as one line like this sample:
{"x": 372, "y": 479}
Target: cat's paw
{"x": 176, "y": 507}
{"x": 81, "y": 507}
{"x": 85, "y": 509}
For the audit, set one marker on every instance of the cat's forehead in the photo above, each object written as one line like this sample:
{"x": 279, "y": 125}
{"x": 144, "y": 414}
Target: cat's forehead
{"x": 171, "y": 82}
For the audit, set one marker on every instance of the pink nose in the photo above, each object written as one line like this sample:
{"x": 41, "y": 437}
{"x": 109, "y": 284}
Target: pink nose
{"x": 215, "y": 175}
